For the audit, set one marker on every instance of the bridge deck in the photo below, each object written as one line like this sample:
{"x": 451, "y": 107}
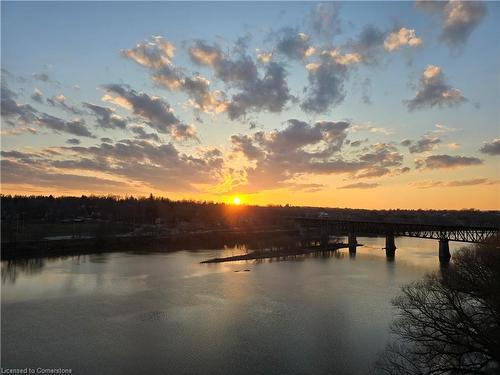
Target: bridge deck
{"x": 461, "y": 233}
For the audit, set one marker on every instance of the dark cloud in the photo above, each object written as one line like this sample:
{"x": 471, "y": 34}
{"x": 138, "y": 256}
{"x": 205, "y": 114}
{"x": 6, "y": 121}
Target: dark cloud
{"x": 236, "y": 72}
{"x": 491, "y": 148}
{"x": 245, "y": 145}
{"x": 198, "y": 89}
{"x": 281, "y": 157}
{"x": 60, "y": 101}
{"x": 324, "y": 20}
{"x": 106, "y": 140}
{"x": 326, "y": 85}
{"x": 12, "y": 111}
{"x": 269, "y": 93}
{"x": 366, "y": 87}
{"x": 293, "y": 44}
{"x": 106, "y": 118}
{"x": 155, "y": 111}
{"x": 372, "y": 44}
{"x": 156, "y": 54}
{"x": 239, "y": 73}
{"x": 44, "y": 77}
{"x": 447, "y": 161}
{"x": 241, "y": 44}
{"x": 360, "y": 185}
{"x": 25, "y": 157}
{"x": 423, "y": 144}
{"x": 254, "y": 93}
{"x": 142, "y": 134}
{"x": 459, "y": 19}
{"x": 73, "y": 141}
{"x": 369, "y": 44}
{"x": 75, "y": 127}
{"x": 381, "y": 159}
{"x": 434, "y": 91}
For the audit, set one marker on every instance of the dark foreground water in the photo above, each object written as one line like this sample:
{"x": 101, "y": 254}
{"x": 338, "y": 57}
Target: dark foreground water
{"x": 164, "y": 313}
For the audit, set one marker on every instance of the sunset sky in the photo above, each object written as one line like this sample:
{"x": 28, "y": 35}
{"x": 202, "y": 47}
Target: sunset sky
{"x": 356, "y": 104}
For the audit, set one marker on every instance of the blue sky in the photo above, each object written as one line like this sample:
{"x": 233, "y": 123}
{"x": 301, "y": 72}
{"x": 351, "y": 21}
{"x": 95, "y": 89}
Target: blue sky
{"x": 70, "y": 53}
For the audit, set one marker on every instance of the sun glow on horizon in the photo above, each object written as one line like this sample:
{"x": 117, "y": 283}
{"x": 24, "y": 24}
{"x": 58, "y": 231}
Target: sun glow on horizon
{"x": 236, "y": 201}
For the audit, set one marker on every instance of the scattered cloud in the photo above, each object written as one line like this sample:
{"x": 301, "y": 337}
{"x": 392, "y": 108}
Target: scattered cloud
{"x": 60, "y": 101}
{"x": 37, "y": 96}
{"x": 138, "y": 162}
{"x": 157, "y": 54}
{"x": 400, "y": 38}
{"x": 20, "y": 173}
{"x": 491, "y": 148}
{"x": 236, "y": 72}
{"x": 75, "y": 127}
{"x": 13, "y": 111}
{"x": 326, "y": 84}
{"x": 44, "y": 77}
{"x": 440, "y": 128}
{"x": 369, "y": 44}
{"x": 423, "y": 144}
{"x": 140, "y": 133}
{"x": 360, "y": 185}
{"x": 454, "y": 183}
{"x": 294, "y": 44}
{"x": 434, "y": 91}
{"x": 17, "y": 114}
{"x": 446, "y": 161}
{"x": 153, "y": 110}
{"x": 458, "y": 19}
{"x": 380, "y": 159}
{"x": 371, "y": 128}
{"x": 253, "y": 92}
{"x": 106, "y": 117}
{"x": 324, "y": 20}
{"x": 154, "y": 53}
{"x": 281, "y": 157}
{"x": 73, "y": 141}
{"x": 269, "y": 93}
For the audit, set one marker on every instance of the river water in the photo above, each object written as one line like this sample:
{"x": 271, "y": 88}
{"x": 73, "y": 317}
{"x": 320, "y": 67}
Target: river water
{"x": 165, "y": 313}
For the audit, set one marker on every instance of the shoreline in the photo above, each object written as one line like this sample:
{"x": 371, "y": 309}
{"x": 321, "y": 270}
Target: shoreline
{"x": 166, "y": 243}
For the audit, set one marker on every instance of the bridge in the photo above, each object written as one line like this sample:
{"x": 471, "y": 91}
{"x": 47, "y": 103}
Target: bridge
{"x": 312, "y": 229}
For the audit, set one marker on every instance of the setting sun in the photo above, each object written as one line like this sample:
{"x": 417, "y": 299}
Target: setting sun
{"x": 236, "y": 201}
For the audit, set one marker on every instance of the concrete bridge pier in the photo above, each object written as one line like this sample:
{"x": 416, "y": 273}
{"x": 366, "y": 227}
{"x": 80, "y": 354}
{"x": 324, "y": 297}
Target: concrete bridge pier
{"x": 390, "y": 246}
{"x": 324, "y": 237}
{"x": 353, "y": 242}
{"x": 444, "y": 250}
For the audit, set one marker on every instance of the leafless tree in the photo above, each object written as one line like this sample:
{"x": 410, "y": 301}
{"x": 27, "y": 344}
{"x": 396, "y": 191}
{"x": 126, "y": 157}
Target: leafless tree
{"x": 449, "y": 322}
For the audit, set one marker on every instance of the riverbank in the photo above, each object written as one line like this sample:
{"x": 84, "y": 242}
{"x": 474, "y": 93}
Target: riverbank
{"x": 263, "y": 254}
{"x": 180, "y": 241}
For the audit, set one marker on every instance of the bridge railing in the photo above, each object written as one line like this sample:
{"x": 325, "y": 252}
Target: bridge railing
{"x": 459, "y": 233}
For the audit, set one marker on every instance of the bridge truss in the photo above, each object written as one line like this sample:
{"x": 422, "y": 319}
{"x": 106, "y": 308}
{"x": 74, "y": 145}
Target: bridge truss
{"x": 472, "y": 234}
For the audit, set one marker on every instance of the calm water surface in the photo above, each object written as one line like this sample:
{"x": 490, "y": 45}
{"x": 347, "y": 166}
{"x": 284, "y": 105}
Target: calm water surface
{"x": 164, "y": 313}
